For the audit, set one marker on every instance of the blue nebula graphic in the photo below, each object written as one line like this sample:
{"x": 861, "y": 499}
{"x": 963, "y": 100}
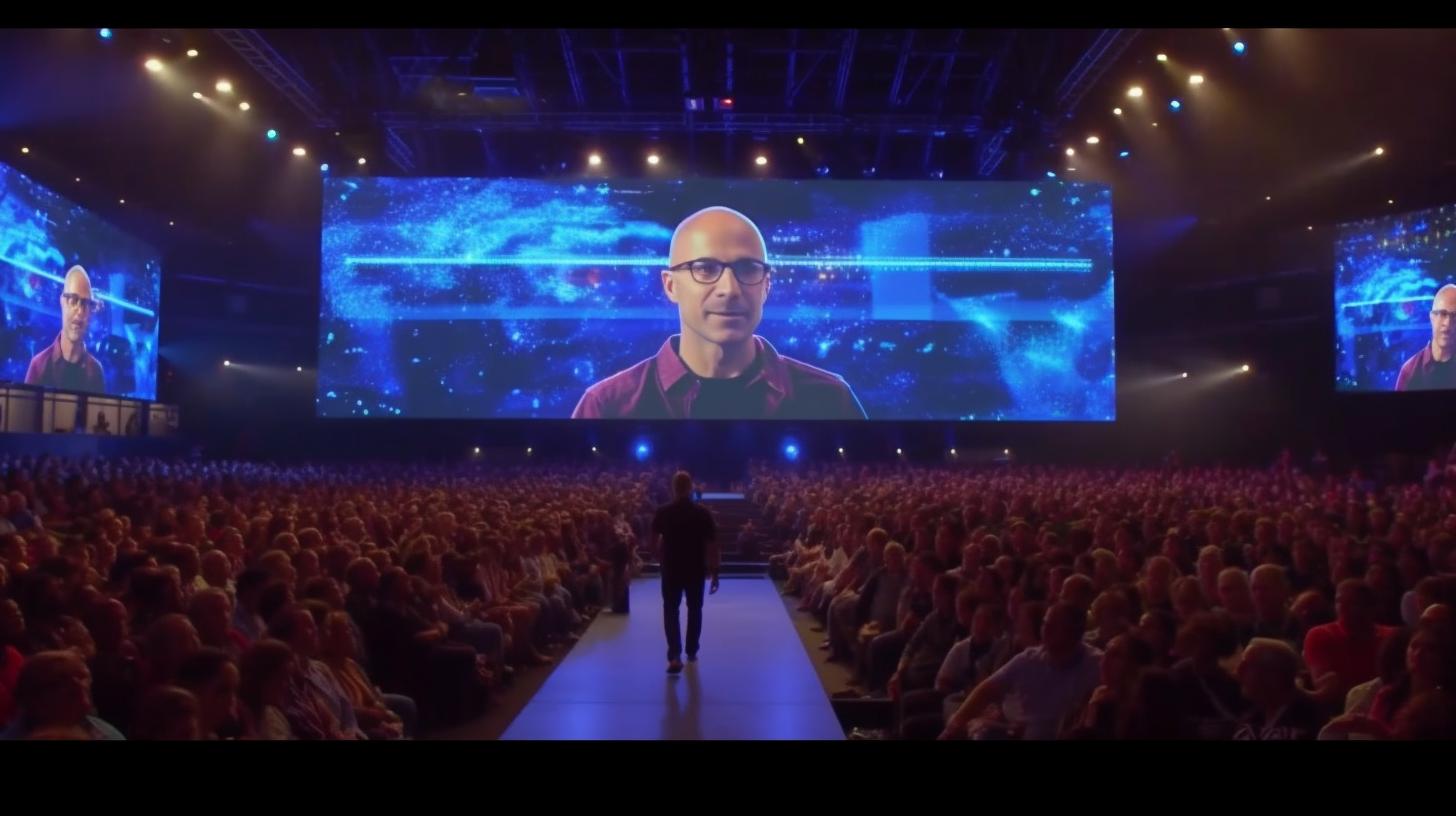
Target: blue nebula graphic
{"x": 483, "y": 298}
{"x": 42, "y": 235}
{"x": 1387, "y": 272}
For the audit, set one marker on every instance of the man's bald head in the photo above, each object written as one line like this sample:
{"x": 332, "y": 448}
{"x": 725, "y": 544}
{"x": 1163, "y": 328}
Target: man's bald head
{"x": 79, "y": 283}
{"x": 717, "y": 232}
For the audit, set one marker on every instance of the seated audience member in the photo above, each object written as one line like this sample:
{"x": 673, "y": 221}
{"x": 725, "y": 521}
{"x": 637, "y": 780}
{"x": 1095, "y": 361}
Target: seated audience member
{"x": 213, "y": 677}
{"x": 1342, "y": 654}
{"x": 168, "y": 713}
{"x": 1277, "y": 708}
{"x": 53, "y": 692}
{"x": 1047, "y": 683}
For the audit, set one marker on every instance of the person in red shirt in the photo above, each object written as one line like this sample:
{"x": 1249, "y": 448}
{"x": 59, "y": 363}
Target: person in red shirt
{"x": 1343, "y": 654}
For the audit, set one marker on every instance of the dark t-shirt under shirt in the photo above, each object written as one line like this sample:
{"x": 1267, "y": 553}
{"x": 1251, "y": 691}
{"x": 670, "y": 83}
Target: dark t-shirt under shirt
{"x": 727, "y": 397}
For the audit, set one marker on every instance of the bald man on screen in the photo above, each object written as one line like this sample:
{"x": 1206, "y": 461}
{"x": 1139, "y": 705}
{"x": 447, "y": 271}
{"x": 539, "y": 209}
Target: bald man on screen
{"x": 1431, "y": 368}
{"x": 66, "y": 364}
{"x": 719, "y": 277}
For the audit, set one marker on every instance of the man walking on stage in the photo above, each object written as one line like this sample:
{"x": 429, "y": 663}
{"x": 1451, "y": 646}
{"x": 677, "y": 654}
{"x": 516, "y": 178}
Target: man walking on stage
{"x": 687, "y": 542}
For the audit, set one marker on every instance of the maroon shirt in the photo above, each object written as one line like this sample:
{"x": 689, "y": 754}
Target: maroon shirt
{"x": 662, "y": 387}
{"x": 51, "y": 370}
{"x": 1423, "y": 373}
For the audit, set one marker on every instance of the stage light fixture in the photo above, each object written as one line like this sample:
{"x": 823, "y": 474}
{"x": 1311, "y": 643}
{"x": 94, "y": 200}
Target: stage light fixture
{"x": 192, "y": 53}
{"x": 1162, "y": 58}
{"x": 1071, "y": 152}
{"x": 1117, "y": 111}
{"x": 244, "y": 106}
{"x": 223, "y": 86}
{"x": 363, "y": 161}
{"x": 1196, "y": 79}
{"x": 761, "y": 161}
{"x": 153, "y": 64}
{"x": 595, "y": 160}
{"x": 654, "y": 159}
{"x": 1135, "y": 92}
{"x": 300, "y": 151}
{"x": 104, "y": 33}
{"x": 1239, "y": 47}
{"x": 1092, "y": 140}
{"x": 272, "y": 135}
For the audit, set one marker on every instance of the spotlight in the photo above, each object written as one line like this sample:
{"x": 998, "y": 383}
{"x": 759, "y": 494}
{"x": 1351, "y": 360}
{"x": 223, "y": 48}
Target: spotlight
{"x": 171, "y": 223}
{"x": 899, "y": 452}
{"x": 1124, "y": 154}
{"x": 25, "y": 150}
{"x": 1162, "y": 58}
{"x": 192, "y": 53}
{"x": 1389, "y": 201}
{"x": 1380, "y": 151}
{"x": 1239, "y": 47}
{"x": 244, "y": 106}
{"x": 761, "y": 161}
{"x": 1135, "y": 92}
{"x": 822, "y": 170}
{"x": 528, "y": 451}
{"x": 594, "y": 448}
{"x": 104, "y": 33}
{"x": 223, "y": 86}
{"x": 1310, "y": 227}
{"x": 952, "y": 452}
{"x": 595, "y": 160}
{"x": 1244, "y": 368}
{"x": 78, "y": 179}
{"x": 1051, "y": 174}
{"x": 154, "y": 65}
{"x": 642, "y": 451}
{"x": 1006, "y": 451}
{"x": 324, "y": 168}
{"x": 1184, "y": 375}
{"x": 299, "y": 151}
{"x": 363, "y": 161}
{"x": 121, "y": 201}
{"x": 477, "y": 450}
{"x": 272, "y": 135}
{"x": 791, "y": 451}
{"x": 1268, "y": 198}
{"x": 1092, "y": 140}
{"x": 227, "y": 362}
{"x": 299, "y": 368}
{"x": 1196, "y": 79}
{"x": 800, "y": 140}
{"x": 654, "y": 159}
{"x": 1071, "y": 152}
{"x": 1117, "y": 111}
{"x": 841, "y": 451}
{"x": 1175, "y": 105}
{"x": 197, "y": 94}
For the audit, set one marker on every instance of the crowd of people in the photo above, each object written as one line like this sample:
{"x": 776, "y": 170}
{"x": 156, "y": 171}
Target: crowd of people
{"x": 1176, "y": 603}
{"x": 145, "y": 599}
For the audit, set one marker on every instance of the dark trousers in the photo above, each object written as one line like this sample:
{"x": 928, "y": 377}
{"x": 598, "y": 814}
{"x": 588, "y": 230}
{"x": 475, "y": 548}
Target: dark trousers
{"x": 673, "y": 590}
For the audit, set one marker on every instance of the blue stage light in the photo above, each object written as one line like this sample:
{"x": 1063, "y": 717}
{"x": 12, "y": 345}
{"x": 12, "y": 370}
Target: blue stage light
{"x": 272, "y": 135}
{"x": 642, "y": 451}
{"x": 1239, "y": 47}
{"x": 791, "y": 451}
{"x": 104, "y": 33}
{"x": 1175, "y": 104}
{"x": 1124, "y": 154}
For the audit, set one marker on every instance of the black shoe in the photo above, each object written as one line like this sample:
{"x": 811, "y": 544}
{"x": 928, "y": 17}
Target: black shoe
{"x": 674, "y": 666}
{"x": 692, "y": 657}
